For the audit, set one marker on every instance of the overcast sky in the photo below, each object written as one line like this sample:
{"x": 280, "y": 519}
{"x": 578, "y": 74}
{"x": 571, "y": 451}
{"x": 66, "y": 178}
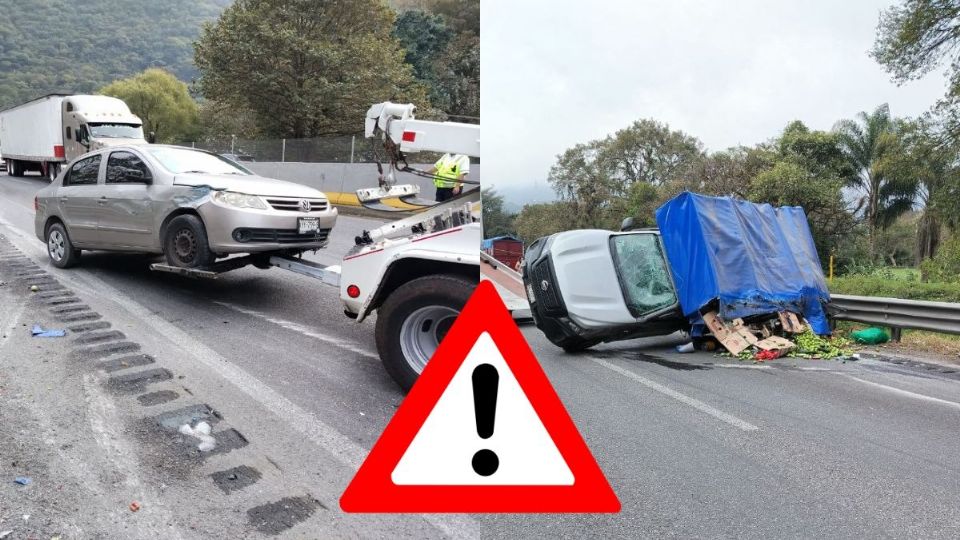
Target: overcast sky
{"x": 556, "y": 73}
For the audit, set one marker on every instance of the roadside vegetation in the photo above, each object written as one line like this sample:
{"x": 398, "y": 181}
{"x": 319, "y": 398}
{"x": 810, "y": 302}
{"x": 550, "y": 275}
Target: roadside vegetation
{"x": 213, "y": 69}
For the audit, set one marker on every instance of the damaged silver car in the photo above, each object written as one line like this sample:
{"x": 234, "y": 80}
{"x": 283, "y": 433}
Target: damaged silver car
{"x": 190, "y": 205}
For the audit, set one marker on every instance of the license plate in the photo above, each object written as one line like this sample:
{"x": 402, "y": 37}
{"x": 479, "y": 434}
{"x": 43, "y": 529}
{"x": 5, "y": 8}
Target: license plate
{"x": 308, "y": 225}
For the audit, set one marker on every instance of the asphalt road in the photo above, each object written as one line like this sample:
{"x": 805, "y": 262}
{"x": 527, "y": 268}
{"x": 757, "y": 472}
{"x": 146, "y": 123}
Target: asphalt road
{"x": 694, "y": 445}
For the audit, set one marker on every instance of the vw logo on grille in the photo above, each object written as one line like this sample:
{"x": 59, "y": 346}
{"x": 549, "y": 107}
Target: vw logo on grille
{"x": 544, "y": 285}
{"x": 305, "y": 205}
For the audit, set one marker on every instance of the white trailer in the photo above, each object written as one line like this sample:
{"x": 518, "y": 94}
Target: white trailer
{"x": 45, "y": 133}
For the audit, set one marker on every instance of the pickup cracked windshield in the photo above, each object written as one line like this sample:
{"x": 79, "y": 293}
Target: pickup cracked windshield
{"x": 257, "y": 282}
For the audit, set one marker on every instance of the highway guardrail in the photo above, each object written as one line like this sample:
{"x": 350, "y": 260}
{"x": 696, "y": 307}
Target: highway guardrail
{"x": 896, "y": 313}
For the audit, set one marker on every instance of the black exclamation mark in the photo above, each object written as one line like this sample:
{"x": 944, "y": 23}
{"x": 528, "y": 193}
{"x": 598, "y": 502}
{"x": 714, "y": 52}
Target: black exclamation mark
{"x": 485, "y": 383}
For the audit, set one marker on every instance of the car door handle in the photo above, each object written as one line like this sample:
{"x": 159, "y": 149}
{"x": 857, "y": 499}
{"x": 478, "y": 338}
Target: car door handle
{"x": 102, "y": 200}
{"x": 64, "y": 199}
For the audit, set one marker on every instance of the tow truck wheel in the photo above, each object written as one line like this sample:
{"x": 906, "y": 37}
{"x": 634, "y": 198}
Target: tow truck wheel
{"x": 414, "y": 319}
{"x": 185, "y": 243}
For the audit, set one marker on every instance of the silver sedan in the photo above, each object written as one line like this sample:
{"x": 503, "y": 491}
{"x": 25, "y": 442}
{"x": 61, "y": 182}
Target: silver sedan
{"x": 190, "y": 205}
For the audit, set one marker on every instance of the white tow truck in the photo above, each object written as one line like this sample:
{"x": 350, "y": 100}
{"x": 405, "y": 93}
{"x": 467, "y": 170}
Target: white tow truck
{"x": 416, "y": 272}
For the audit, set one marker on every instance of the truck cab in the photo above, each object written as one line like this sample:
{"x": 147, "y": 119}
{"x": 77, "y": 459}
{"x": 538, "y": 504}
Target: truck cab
{"x": 94, "y": 122}
{"x": 568, "y": 277}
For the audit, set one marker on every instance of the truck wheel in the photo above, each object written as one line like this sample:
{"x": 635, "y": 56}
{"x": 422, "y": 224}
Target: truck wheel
{"x": 414, "y": 319}
{"x": 53, "y": 169}
{"x": 15, "y": 168}
{"x": 185, "y": 243}
{"x": 59, "y": 247}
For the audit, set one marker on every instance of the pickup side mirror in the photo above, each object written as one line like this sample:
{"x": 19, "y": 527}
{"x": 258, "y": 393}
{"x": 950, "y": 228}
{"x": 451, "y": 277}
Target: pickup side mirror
{"x": 627, "y": 224}
{"x": 152, "y": 137}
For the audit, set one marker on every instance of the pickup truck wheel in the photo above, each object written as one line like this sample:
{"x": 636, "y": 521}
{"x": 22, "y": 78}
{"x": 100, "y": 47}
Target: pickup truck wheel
{"x": 185, "y": 243}
{"x": 59, "y": 247}
{"x": 414, "y": 319}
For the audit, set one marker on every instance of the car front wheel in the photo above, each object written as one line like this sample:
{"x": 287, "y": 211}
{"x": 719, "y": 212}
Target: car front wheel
{"x": 185, "y": 243}
{"x": 59, "y": 247}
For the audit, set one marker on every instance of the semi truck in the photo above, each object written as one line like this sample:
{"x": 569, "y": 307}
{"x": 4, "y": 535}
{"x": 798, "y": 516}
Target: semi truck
{"x": 45, "y": 133}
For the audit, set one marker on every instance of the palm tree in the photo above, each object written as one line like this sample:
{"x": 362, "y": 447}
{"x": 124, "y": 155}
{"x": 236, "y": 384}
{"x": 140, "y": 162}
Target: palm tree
{"x": 867, "y": 142}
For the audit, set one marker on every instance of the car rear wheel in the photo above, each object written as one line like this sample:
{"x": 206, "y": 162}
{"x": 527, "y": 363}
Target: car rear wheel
{"x": 413, "y": 321}
{"x": 59, "y": 247}
{"x": 185, "y": 243}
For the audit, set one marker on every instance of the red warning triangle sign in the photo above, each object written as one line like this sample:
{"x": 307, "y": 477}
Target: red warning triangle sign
{"x": 481, "y": 431}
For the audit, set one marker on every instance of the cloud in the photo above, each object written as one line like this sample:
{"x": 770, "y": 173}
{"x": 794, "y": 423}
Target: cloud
{"x": 563, "y": 72}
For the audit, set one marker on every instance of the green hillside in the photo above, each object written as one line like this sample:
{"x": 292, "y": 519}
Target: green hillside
{"x": 58, "y": 45}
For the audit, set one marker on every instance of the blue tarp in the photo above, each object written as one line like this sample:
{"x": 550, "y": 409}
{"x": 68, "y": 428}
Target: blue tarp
{"x": 754, "y": 258}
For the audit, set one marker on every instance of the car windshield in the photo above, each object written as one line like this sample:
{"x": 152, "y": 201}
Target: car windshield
{"x": 185, "y": 160}
{"x": 643, "y": 273}
{"x": 116, "y": 131}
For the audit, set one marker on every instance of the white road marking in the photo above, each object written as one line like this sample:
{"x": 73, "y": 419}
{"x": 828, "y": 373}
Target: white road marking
{"x": 682, "y": 398}
{"x": 9, "y": 324}
{"x": 907, "y": 393}
{"x": 320, "y": 433}
{"x": 301, "y": 329}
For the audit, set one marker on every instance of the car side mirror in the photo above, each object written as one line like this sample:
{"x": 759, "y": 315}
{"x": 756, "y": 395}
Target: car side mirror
{"x": 137, "y": 177}
{"x": 152, "y": 137}
{"x": 627, "y": 224}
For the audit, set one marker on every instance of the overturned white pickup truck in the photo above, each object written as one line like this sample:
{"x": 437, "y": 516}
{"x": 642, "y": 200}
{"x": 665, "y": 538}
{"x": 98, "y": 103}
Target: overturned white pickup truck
{"x": 734, "y": 258}
{"x": 589, "y": 286}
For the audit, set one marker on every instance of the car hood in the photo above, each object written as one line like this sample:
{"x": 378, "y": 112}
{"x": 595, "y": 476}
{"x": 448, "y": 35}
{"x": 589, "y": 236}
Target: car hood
{"x": 251, "y": 185}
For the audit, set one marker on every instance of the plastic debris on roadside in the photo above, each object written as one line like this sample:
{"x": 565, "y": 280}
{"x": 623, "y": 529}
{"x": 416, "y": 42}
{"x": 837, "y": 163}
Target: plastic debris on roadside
{"x": 870, "y": 336}
{"x": 38, "y": 331}
{"x": 202, "y": 432}
{"x": 685, "y": 348}
{"x": 134, "y": 506}
{"x": 34, "y": 288}
{"x": 23, "y": 480}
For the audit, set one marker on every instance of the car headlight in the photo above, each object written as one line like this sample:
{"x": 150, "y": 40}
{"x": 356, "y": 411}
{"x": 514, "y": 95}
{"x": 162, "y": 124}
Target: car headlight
{"x": 240, "y": 200}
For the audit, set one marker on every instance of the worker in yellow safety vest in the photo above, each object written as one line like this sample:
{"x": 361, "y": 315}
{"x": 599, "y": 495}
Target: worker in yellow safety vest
{"x": 449, "y": 172}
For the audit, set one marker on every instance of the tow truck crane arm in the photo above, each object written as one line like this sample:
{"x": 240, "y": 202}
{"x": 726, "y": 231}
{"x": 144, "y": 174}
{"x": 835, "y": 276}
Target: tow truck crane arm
{"x": 402, "y": 133}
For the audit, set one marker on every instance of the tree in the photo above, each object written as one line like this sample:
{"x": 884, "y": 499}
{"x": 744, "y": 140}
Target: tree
{"x": 162, "y": 101}
{"x": 496, "y": 222}
{"x": 868, "y": 143}
{"x": 916, "y": 37}
{"x": 305, "y": 68}
{"x": 456, "y": 77}
{"x": 423, "y": 36}
{"x": 537, "y": 220}
{"x": 920, "y": 155}
{"x": 443, "y": 46}
{"x": 596, "y": 176}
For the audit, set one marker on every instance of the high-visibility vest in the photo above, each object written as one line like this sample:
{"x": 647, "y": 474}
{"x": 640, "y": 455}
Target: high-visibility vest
{"x": 448, "y": 172}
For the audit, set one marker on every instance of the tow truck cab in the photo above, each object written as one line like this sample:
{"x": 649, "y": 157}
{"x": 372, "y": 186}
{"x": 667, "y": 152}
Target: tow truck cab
{"x": 568, "y": 279}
